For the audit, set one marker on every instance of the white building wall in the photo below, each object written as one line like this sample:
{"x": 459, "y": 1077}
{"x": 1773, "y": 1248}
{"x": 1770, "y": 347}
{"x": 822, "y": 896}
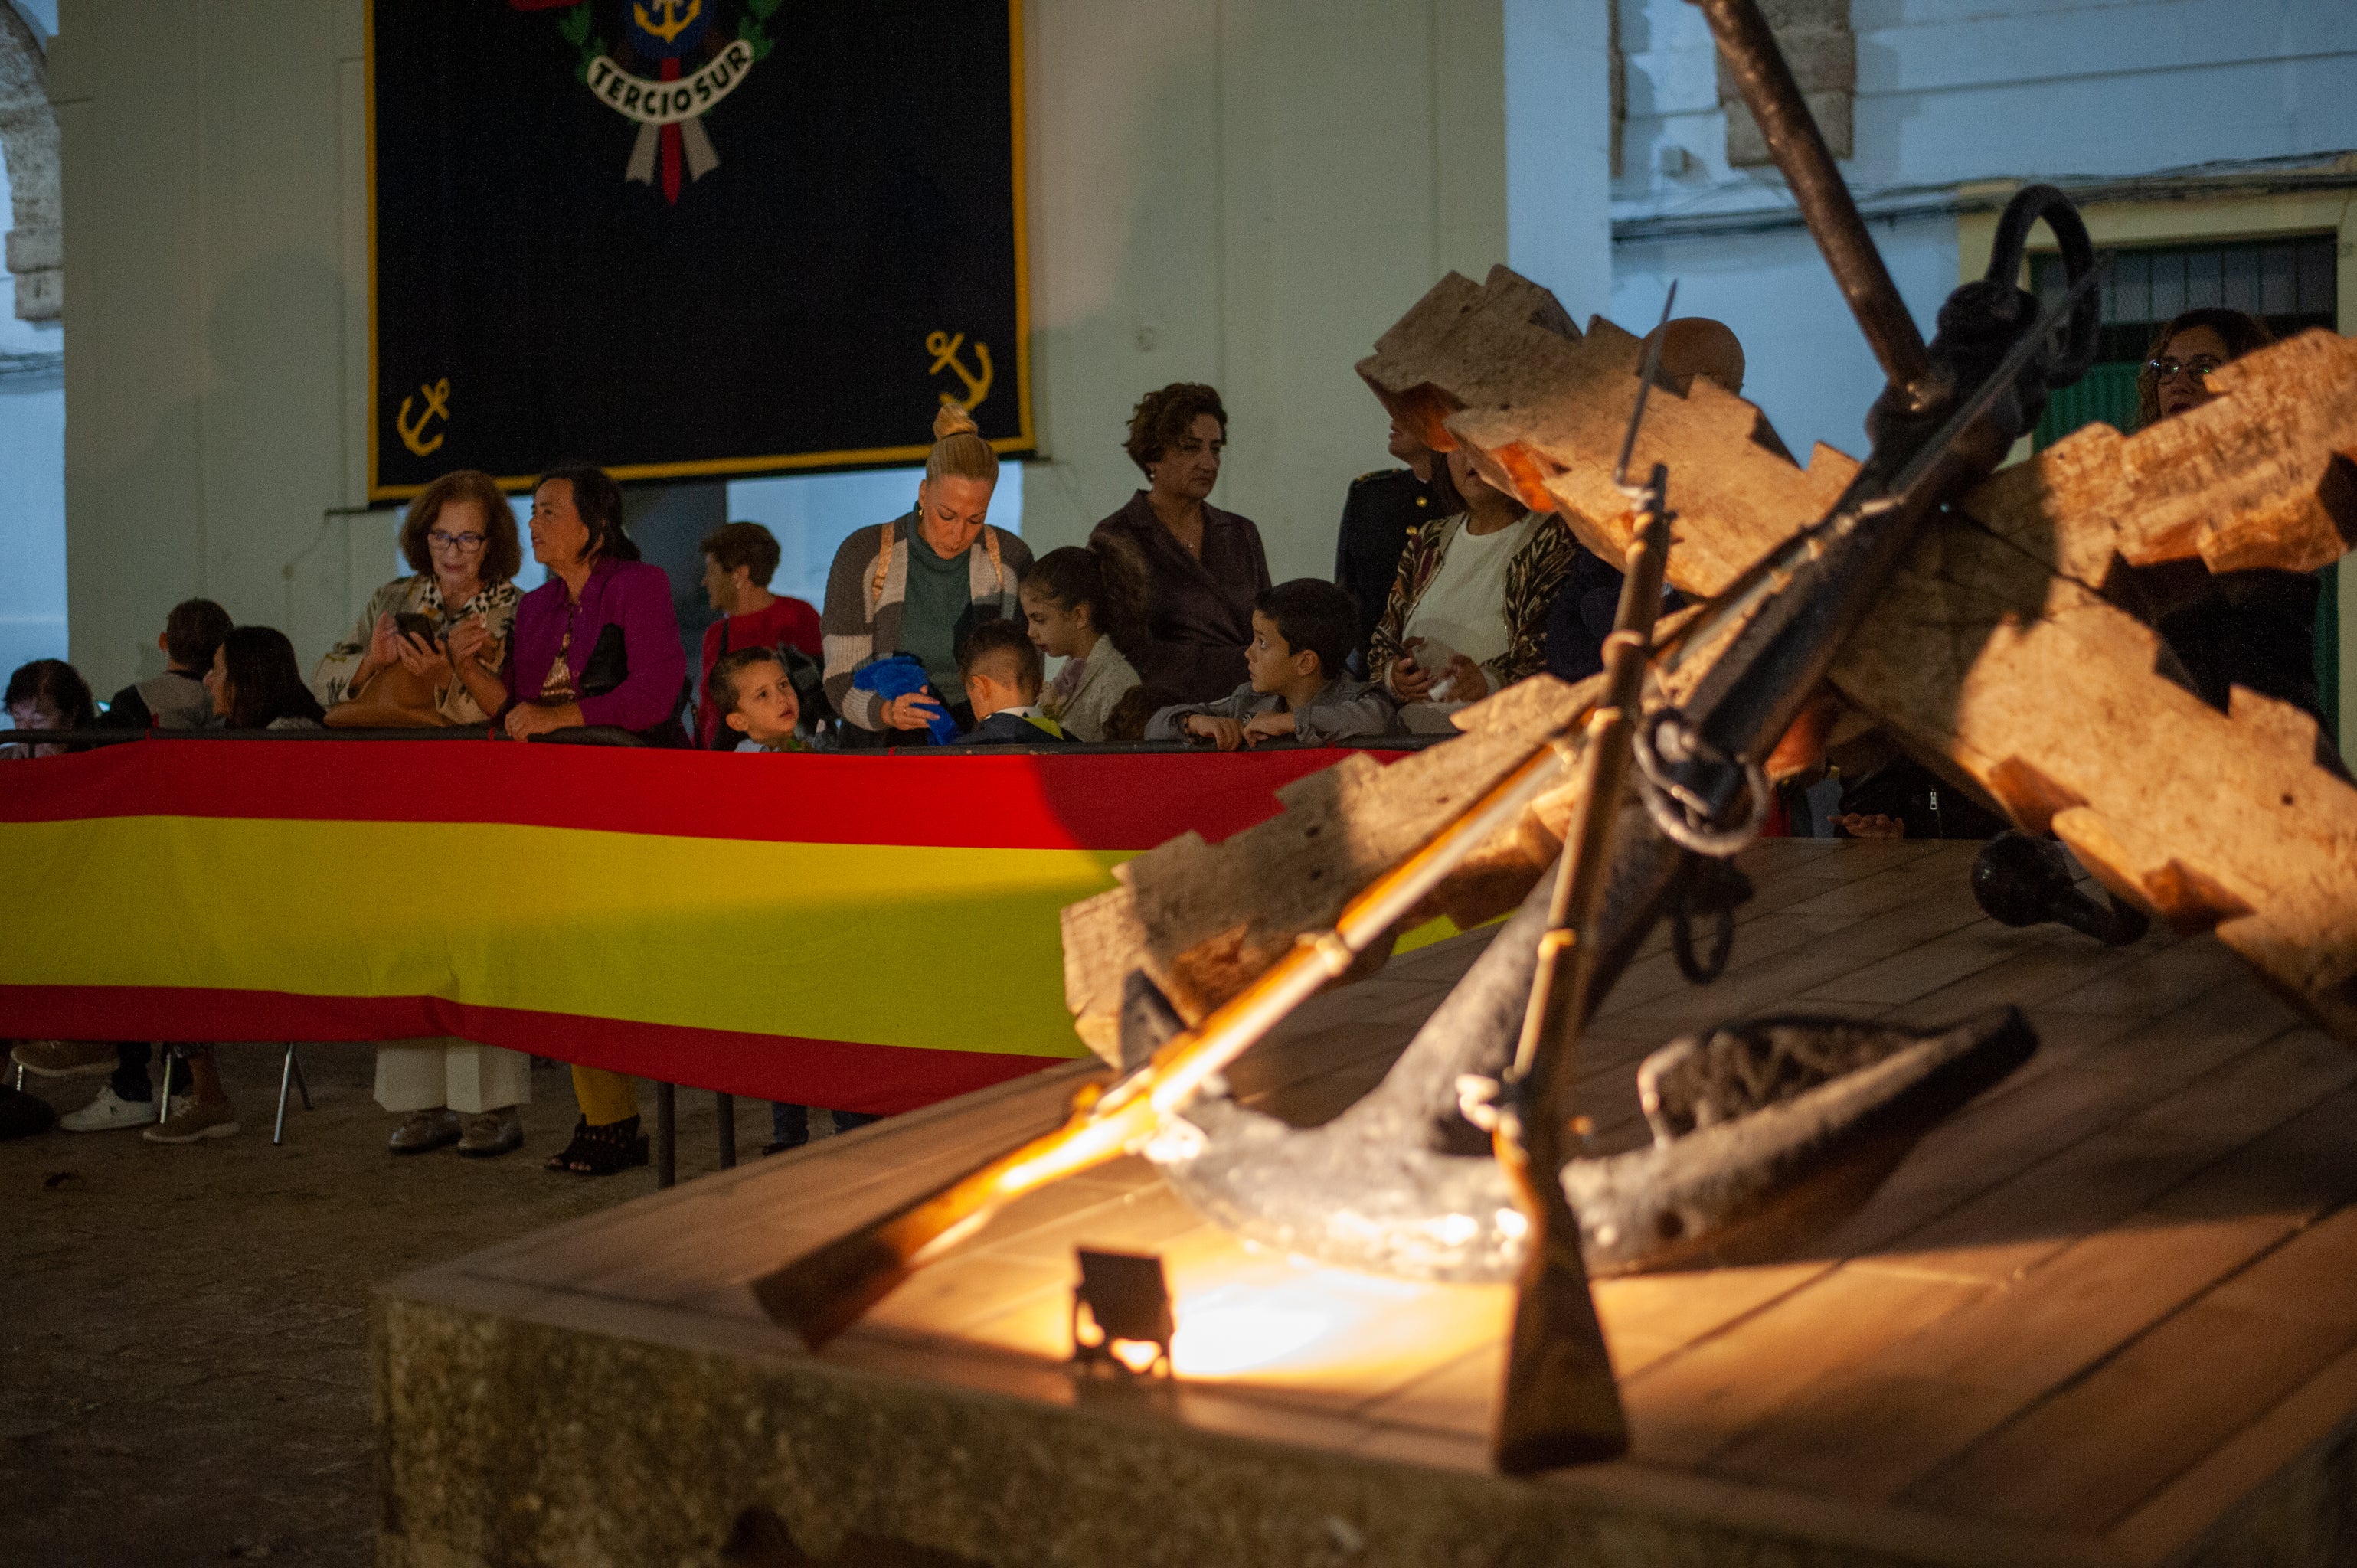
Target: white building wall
{"x": 1240, "y": 191}
{"x": 1953, "y": 91}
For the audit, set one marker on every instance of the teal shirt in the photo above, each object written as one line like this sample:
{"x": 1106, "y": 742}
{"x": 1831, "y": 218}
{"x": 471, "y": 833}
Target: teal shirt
{"x": 939, "y": 598}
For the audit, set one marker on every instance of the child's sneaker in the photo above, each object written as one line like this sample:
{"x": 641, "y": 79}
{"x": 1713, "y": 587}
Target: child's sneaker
{"x": 111, "y": 1111}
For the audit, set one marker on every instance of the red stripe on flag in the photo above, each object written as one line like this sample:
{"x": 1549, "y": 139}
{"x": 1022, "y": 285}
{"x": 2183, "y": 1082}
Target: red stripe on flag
{"x": 840, "y": 1075}
{"x": 965, "y": 800}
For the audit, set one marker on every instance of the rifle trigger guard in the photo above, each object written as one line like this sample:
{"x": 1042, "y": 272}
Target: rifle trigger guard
{"x": 1684, "y": 816}
{"x": 1699, "y": 972}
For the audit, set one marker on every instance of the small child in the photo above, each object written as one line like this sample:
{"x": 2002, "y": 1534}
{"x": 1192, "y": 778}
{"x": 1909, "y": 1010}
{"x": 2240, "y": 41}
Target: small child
{"x": 753, "y": 695}
{"x": 1080, "y": 601}
{"x": 177, "y": 699}
{"x": 1302, "y": 630}
{"x": 1001, "y": 672}
{"x": 749, "y": 690}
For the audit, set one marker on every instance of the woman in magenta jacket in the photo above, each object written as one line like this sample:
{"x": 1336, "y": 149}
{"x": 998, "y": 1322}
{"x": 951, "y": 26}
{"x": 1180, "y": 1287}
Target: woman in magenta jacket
{"x": 599, "y": 642}
{"x": 596, "y": 644}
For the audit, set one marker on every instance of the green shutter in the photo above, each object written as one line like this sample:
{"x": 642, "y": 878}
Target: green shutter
{"x": 2107, "y": 392}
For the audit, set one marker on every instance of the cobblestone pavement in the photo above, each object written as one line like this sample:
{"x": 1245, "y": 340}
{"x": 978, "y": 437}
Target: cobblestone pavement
{"x": 185, "y": 1327}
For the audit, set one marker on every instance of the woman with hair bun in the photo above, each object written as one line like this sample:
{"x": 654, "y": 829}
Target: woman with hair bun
{"x": 1204, "y": 567}
{"x": 1086, "y": 605}
{"x": 915, "y": 585}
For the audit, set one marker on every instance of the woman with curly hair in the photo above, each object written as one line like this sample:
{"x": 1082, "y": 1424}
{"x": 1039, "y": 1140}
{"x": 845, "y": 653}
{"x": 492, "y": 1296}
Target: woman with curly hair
{"x": 459, "y": 540}
{"x": 1204, "y": 567}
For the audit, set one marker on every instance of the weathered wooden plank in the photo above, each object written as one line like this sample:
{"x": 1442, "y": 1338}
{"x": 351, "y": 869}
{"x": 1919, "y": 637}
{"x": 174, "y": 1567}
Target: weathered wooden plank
{"x": 1203, "y": 920}
{"x": 2260, "y": 476}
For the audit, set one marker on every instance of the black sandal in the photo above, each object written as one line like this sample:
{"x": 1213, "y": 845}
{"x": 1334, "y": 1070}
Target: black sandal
{"x": 601, "y": 1151}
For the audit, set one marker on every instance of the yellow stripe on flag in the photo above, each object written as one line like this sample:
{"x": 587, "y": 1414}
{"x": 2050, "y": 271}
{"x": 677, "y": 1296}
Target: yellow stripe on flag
{"x": 886, "y": 944}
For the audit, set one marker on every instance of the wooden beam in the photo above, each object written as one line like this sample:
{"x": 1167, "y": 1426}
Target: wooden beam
{"x": 1203, "y": 920}
{"x": 1982, "y": 660}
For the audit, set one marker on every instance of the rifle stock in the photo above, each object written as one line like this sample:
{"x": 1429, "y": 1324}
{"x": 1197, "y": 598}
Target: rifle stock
{"x": 1561, "y": 1405}
{"x": 824, "y": 1291}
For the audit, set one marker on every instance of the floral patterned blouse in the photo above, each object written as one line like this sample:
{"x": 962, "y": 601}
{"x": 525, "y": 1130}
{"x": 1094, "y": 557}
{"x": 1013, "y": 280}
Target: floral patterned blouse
{"x": 420, "y": 595}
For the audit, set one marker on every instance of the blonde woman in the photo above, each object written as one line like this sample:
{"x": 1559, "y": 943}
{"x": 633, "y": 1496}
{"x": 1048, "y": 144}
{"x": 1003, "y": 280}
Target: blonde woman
{"x": 915, "y": 585}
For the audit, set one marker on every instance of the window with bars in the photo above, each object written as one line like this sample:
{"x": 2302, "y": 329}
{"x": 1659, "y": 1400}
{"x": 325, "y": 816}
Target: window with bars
{"x": 2287, "y": 284}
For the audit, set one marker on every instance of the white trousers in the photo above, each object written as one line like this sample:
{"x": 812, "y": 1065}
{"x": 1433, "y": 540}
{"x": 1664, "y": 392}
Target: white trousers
{"x": 426, "y": 1075}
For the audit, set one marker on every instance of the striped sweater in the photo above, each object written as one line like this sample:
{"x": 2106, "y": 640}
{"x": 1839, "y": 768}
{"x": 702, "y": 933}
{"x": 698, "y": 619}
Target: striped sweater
{"x": 862, "y": 620}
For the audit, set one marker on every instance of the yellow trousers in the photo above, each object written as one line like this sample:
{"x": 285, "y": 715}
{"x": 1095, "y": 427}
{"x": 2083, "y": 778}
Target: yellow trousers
{"x": 605, "y": 1097}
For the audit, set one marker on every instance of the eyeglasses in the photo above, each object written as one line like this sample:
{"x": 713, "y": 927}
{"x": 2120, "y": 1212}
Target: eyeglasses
{"x": 441, "y": 541}
{"x": 2200, "y": 368}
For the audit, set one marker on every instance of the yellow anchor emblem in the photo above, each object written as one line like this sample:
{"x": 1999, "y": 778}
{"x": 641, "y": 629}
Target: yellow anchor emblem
{"x": 437, "y": 404}
{"x": 944, "y": 346}
{"x": 672, "y": 23}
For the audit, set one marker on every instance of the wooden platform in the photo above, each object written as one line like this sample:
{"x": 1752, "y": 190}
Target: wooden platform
{"x": 2108, "y": 1314}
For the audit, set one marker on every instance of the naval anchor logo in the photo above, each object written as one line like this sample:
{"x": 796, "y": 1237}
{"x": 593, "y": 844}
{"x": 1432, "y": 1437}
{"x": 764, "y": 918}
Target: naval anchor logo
{"x": 671, "y": 63}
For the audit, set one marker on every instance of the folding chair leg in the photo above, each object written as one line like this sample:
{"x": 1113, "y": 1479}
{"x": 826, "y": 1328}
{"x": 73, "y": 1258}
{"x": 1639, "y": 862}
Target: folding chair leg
{"x": 666, "y": 1140}
{"x": 726, "y": 1106}
{"x": 300, "y": 1087}
{"x": 164, "y": 1098}
{"x": 285, "y": 1080}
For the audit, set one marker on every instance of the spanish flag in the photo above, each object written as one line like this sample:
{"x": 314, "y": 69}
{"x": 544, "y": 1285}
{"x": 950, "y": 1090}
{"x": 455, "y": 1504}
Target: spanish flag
{"x": 867, "y": 932}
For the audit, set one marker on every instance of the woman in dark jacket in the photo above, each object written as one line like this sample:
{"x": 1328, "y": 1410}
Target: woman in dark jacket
{"x": 1204, "y": 566}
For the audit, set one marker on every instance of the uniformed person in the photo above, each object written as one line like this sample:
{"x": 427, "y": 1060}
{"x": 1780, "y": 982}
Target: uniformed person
{"x": 1383, "y": 509}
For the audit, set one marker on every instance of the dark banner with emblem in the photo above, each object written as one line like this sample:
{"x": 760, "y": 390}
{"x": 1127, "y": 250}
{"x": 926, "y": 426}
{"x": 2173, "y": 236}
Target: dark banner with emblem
{"x": 691, "y": 238}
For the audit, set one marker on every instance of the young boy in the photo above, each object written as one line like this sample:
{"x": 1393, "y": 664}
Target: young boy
{"x": 1002, "y": 673}
{"x": 1302, "y": 632}
{"x": 749, "y": 693}
{"x": 177, "y": 699}
{"x": 740, "y": 559}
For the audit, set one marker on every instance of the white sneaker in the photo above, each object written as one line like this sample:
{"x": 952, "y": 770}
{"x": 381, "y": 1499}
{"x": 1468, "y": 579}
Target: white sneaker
{"x": 111, "y": 1111}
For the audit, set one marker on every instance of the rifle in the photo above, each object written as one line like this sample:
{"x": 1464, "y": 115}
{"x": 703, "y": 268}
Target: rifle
{"x": 824, "y": 1291}
{"x": 1561, "y": 1405}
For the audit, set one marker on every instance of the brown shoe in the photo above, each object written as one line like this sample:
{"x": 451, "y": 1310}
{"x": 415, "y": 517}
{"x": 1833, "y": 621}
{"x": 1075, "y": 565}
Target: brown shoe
{"x": 491, "y": 1133}
{"x": 193, "y": 1121}
{"x": 66, "y": 1059}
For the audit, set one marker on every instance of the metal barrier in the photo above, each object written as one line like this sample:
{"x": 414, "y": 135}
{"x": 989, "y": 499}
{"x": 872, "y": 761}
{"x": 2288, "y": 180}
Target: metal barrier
{"x": 607, "y": 736}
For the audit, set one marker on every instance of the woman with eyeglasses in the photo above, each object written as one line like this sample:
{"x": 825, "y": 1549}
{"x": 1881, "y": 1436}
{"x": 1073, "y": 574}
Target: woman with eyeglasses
{"x": 2252, "y": 629}
{"x": 459, "y": 537}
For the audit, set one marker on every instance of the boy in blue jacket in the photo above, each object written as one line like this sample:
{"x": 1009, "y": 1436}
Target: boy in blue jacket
{"x": 1003, "y": 674}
